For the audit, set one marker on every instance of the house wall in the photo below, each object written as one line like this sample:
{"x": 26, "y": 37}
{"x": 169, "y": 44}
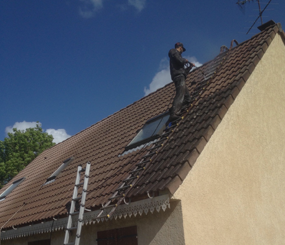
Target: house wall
{"x": 235, "y": 192}
{"x": 163, "y": 228}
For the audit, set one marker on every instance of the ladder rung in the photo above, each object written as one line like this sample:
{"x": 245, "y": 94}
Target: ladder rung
{"x": 149, "y": 155}
{"x": 70, "y": 243}
{"x": 115, "y": 197}
{"x": 208, "y": 77}
{"x": 79, "y": 184}
{"x": 195, "y": 93}
{"x": 137, "y": 170}
{"x": 131, "y": 178}
{"x": 163, "y": 137}
{"x": 154, "y": 148}
{"x": 74, "y": 213}
{"x": 159, "y": 141}
{"x": 200, "y": 86}
{"x": 143, "y": 162}
{"x": 82, "y": 170}
{"x": 109, "y": 206}
{"x": 175, "y": 122}
{"x": 103, "y": 217}
{"x": 124, "y": 187}
{"x": 166, "y": 133}
{"x": 76, "y": 199}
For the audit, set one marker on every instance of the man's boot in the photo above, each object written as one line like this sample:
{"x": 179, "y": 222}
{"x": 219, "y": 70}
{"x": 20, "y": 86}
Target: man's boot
{"x": 173, "y": 118}
{"x": 185, "y": 106}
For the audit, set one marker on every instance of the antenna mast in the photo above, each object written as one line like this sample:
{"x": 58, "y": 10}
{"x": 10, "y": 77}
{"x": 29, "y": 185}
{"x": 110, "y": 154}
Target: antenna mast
{"x": 242, "y": 3}
{"x": 260, "y": 13}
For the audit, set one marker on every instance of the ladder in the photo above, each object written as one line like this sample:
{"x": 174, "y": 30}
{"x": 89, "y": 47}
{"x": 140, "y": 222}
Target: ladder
{"x": 121, "y": 192}
{"x": 74, "y": 200}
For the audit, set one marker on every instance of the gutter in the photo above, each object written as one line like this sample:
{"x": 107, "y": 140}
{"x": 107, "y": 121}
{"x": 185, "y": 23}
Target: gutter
{"x": 132, "y": 209}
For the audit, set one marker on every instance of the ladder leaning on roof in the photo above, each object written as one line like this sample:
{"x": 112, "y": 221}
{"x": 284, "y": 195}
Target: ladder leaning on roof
{"x": 142, "y": 164}
{"x": 75, "y": 199}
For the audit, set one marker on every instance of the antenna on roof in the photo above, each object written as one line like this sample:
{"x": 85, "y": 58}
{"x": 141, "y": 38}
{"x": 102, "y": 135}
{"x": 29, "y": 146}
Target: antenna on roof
{"x": 260, "y": 15}
{"x": 241, "y": 4}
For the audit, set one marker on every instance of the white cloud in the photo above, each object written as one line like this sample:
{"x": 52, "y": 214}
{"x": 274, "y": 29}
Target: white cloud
{"x": 138, "y": 4}
{"x": 194, "y": 60}
{"x": 59, "y": 135}
{"x": 90, "y": 7}
{"x": 21, "y": 126}
{"x": 162, "y": 77}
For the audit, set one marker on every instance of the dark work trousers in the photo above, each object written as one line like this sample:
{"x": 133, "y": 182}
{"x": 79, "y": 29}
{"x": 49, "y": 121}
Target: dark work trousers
{"x": 182, "y": 96}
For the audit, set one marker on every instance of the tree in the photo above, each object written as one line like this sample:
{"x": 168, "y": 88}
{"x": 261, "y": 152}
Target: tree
{"x": 19, "y": 149}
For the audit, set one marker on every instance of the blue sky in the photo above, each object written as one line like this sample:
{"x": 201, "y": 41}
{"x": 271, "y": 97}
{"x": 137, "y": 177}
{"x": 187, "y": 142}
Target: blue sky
{"x": 71, "y": 63}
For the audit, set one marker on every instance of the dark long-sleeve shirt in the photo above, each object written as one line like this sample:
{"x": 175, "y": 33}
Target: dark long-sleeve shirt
{"x": 176, "y": 63}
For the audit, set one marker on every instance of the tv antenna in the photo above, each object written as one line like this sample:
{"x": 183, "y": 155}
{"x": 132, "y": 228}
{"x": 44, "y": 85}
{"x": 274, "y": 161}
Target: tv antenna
{"x": 242, "y": 3}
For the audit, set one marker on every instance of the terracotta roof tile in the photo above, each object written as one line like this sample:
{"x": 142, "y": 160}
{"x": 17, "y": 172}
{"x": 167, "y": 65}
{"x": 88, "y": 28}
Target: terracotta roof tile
{"x": 103, "y": 143}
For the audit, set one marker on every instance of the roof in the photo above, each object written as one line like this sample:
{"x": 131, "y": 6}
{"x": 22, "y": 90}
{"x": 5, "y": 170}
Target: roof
{"x": 103, "y": 143}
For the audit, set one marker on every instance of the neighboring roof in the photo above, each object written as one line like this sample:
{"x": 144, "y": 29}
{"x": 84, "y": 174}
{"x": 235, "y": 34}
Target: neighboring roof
{"x": 102, "y": 143}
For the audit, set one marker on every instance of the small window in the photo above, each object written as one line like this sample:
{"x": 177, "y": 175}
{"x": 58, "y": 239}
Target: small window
{"x": 122, "y": 236}
{"x": 11, "y": 188}
{"x": 150, "y": 131}
{"x": 58, "y": 171}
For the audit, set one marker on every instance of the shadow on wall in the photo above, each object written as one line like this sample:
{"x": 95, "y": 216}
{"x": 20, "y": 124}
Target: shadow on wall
{"x": 152, "y": 229}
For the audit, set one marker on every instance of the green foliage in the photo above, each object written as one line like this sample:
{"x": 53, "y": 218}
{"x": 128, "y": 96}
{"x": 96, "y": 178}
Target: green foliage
{"x": 19, "y": 149}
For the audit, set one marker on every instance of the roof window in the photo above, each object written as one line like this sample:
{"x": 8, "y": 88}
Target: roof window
{"x": 11, "y": 188}
{"x": 150, "y": 131}
{"x": 59, "y": 170}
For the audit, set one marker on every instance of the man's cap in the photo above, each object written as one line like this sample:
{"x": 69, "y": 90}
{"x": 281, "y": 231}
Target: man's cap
{"x": 180, "y": 45}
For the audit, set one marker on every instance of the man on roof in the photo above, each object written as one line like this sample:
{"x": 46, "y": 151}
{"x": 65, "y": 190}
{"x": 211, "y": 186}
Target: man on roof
{"x": 178, "y": 75}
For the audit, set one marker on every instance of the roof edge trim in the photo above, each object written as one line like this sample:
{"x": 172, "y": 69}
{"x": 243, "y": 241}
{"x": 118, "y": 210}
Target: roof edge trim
{"x": 133, "y": 209}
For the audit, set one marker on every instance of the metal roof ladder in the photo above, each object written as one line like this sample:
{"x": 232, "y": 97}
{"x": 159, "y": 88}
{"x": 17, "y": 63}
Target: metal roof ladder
{"x": 121, "y": 192}
{"x": 75, "y": 199}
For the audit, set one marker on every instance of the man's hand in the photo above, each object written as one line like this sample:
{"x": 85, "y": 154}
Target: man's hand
{"x": 191, "y": 64}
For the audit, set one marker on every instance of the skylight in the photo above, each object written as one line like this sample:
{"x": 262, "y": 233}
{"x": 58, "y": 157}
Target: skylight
{"x": 150, "y": 131}
{"x": 58, "y": 171}
{"x": 11, "y": 188}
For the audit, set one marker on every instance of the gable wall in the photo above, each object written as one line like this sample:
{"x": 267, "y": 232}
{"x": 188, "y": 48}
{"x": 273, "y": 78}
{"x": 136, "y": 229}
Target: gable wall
{"x": 235, "y": 192}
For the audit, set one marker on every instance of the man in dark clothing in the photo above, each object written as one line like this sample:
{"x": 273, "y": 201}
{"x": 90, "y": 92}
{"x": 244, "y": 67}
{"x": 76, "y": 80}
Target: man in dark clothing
{"x": 178, "y": 75}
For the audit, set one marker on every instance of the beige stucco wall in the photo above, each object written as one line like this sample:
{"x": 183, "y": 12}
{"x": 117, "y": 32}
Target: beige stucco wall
{"x": 235, "y": 193}
{"x": 163, "y": 228}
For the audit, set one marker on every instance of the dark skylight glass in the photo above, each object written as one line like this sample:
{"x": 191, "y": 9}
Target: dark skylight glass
{"x": 59, "y": 170}
{"x": 150, "y": 131}
{"x": 11, "y": 188}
